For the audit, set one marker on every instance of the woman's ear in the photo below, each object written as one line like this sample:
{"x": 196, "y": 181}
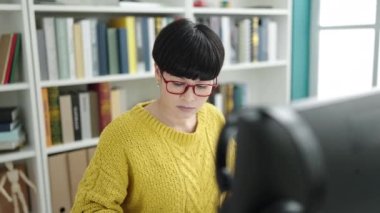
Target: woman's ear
{"x": 157, "y": 74}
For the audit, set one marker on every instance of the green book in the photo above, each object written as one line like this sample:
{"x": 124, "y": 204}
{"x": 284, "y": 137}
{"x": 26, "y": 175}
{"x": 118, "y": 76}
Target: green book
{"x": 55, "y": 115}
{"x": 16, "y": 60}
{"x": 62, "y": 48}
{"x": 113, "y": 57}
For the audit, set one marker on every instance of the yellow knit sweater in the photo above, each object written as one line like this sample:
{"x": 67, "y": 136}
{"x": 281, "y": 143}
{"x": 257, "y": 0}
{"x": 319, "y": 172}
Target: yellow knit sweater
{"x": 142, "y": 165}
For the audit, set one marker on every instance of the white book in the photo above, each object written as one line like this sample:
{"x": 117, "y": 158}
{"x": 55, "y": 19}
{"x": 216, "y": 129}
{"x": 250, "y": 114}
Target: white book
{"x": 67, "y": 123}
{"x": 152, "y": 37}
{"x": 226, "y": 38}
{"x": 85, "y": 114}
{"x": 272, "y": 41}
{"x": 62, "y": 47}
{"x": 50, "y": 44}
{"x": 87, "y": 47}
{"x": 42, "y": 55}
{"x": 218, "y": 101}
{"x": 70, "y": 44}
{"x": 94, "y": 47}
{"x": 12, "y": 144}
{"x": 245, "y": 46}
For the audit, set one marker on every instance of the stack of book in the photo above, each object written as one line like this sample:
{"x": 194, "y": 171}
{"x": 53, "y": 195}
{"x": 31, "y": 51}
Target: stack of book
{"x": 11, "y": 134}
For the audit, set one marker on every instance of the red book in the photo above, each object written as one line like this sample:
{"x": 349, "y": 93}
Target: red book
{"x": 104, "y": 101}
{"x": 10, "y": 58}
{"x": 5, "y": 44}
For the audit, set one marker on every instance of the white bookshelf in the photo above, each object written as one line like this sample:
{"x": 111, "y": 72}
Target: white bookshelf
{"x": 105, "y": 9}
{"x": 14, "y": 18}
{"x": 72, "y": 146}
{"x": 24, "y": 153}
{"x": 14, "y": 87}
{"x": 98, "y": 79}
{"x": 240, "y": 11}
{"x": 10, "y": 7}
{"x": 268, "y": 82}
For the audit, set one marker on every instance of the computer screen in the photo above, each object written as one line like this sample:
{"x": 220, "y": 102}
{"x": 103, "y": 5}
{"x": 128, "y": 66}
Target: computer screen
{"x": 311, "y": 156}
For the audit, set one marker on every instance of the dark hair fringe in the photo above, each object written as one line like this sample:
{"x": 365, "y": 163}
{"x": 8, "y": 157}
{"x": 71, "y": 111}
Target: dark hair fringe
{"x": 189, "y": 50}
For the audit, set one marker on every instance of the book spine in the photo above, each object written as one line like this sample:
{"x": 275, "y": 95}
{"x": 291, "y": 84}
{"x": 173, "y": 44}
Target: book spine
{"x": 45, "y": 100}
{"x": 76, "y": 116}
{"x": 55, "y": 115}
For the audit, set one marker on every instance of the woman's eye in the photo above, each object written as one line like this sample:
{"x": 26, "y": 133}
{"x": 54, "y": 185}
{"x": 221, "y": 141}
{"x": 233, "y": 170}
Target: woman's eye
{"x": 201, "y": 86}
{"x": 178, "y": 84}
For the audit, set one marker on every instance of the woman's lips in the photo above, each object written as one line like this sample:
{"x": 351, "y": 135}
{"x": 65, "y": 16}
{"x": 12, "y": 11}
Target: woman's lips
{"x": 186, "y": 108}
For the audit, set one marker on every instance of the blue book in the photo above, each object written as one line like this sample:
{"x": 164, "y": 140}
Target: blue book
{"x": 101, "y": 30}
{"x": 122, "y": 50}
{"x": 8, "y": 126}
{"x": 145, "y": 41}
{"x": 13, "y": 135}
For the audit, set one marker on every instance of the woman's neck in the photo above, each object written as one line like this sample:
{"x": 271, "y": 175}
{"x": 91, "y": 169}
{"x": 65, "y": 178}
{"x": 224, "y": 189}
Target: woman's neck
{"x": 167, "y": 118}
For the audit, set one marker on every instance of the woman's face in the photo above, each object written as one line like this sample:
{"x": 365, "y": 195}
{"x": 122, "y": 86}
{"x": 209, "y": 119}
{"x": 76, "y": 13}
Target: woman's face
{"x": 184, "y": 105}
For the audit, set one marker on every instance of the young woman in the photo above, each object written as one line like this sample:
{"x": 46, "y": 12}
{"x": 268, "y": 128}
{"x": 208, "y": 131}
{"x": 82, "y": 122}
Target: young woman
{"x": 160, "y": 155}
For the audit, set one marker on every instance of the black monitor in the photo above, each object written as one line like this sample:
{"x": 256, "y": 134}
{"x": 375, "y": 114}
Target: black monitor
{"x": 312, "y": 156}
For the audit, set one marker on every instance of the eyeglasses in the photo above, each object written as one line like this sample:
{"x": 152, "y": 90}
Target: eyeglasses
{"x": 179, "y": 87}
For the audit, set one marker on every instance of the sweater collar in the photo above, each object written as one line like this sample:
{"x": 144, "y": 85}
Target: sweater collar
{"x": 175, "y": 135}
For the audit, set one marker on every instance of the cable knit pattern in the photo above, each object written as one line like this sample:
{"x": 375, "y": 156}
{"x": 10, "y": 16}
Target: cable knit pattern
{"x": 142, "y": 165}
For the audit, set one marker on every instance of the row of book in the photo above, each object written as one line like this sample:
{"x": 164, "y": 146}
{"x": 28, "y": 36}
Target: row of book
{"x": 12, "y": 134}
{"x": 245, "y": 40}
{"x": 229, "y": 97}
{"x": 77, "y": 115}
{"x": 10, "y": 54}
{"x": 65, "y": 172}
{"x": 76, "y": 49}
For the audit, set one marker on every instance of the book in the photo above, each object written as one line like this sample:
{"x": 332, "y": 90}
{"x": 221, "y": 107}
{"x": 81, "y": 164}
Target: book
{"x": 129, "y": 23}
{"x": 85, "y": 114}
{"x": 112, "y": 44}
{"x": 42, "y": 55}
{"x": 8, "y": 114}
{"x": 90, "y": 153}
{"x": 67, "y": 124}
{"x": 8, "y": 126}
{"x": 76, "y": 115}
{"x": 78, "y": 51}
{"x": 17, "y": 64}
{"x": 45, "y": 101}
{"x": 12, "y": 144}
{"x": 55, "y": 115}
{"x": 7, "y": 76}
{"x": 122, "y": 50}
{"x": 5, "y": 48}
{"x": 103, "y": 91}
{"x": 94, "y": 112}
{"x": 77, "y": 164}
{"x": 48, "y": 26}
{"x": 12, "y": 135}
{"x": 102, "y": 48}
{"x": 87, "y": 47}
{"x": 62, "y": 47}
{"x": 59, "y": 183}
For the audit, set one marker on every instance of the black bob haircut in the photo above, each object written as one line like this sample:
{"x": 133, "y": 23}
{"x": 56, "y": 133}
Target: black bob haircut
{"x": 189, "y": 50}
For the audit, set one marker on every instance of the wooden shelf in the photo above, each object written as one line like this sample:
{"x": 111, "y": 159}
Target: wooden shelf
{"x": 22, "y": 154}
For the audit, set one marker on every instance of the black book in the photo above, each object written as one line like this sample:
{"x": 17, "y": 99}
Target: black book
{"x": 76, "y": 115}
{"x": 8, "y": 126}
{"x": 8, "y": 114}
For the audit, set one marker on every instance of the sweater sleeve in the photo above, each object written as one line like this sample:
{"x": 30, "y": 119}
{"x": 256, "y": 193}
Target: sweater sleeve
{"x": 104, "y": 184}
